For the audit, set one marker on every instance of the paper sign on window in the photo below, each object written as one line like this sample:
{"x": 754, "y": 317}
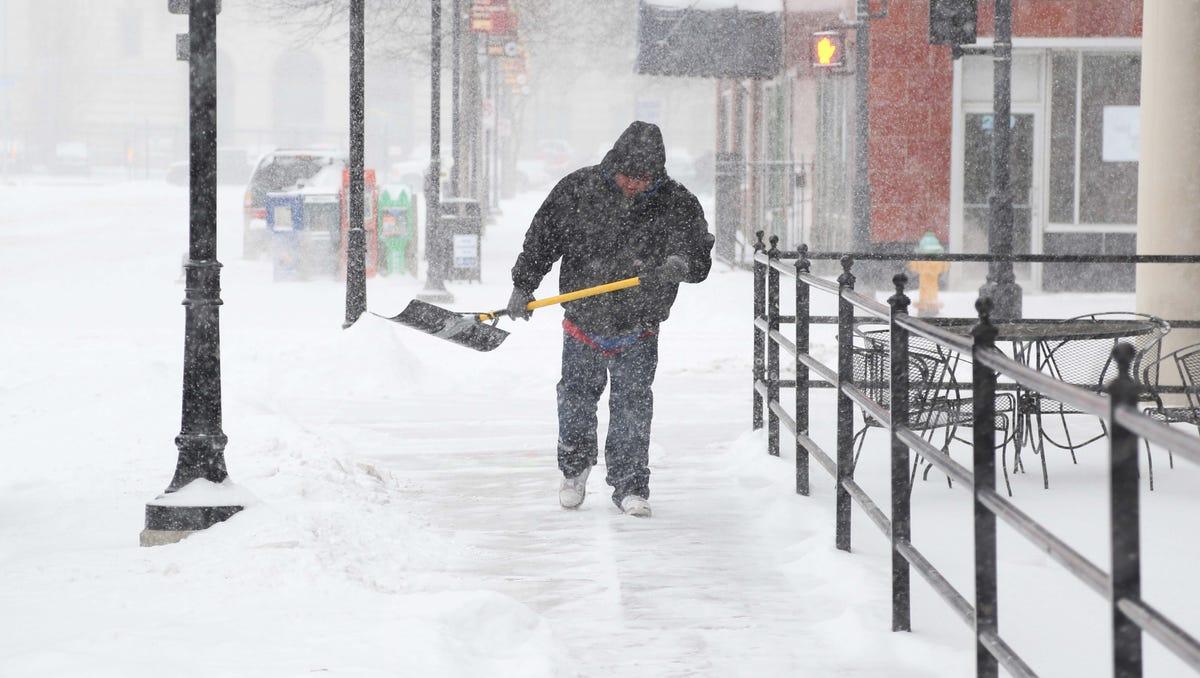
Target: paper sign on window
{"x": 1122, "y": 133}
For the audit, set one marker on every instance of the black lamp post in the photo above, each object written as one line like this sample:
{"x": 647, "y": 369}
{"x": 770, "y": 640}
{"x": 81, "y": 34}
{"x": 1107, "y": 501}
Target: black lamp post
{"x": 1001, "y": 285}
{"x": 201, "y": 442}
{"x": 356, "y": 238}
{"x": 435, "y": 249}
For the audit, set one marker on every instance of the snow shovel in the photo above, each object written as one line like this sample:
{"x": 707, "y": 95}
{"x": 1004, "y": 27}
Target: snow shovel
{"x": 479, "y": 330}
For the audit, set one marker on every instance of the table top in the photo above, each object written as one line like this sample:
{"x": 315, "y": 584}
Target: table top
{"x": 1065, "y": 330}
{"x": 1041, "y": 329}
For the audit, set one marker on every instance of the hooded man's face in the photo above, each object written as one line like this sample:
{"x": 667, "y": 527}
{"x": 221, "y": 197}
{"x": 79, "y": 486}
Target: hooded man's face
{"x": 632, "y": 186}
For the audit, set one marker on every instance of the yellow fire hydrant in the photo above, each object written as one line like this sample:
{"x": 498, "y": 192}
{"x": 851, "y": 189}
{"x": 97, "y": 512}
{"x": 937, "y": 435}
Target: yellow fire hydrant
{"x": 928, "y": 273}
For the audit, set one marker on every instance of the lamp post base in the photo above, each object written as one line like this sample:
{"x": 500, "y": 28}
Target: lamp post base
{"x": 436, "y": 296}
{"x": 1007, "y": 298}
{"x": 197, "y": 505}
{"x": 169, "y": 524}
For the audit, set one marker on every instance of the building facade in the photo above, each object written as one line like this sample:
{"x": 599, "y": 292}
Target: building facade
{"x": 789, "y": 139}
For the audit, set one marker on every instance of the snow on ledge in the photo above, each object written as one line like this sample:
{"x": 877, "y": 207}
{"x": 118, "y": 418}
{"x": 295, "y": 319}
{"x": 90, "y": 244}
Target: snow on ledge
{"x": 202, "y": 492}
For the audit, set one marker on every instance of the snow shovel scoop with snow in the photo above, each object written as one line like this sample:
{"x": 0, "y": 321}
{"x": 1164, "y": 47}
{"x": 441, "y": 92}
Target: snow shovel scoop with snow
{"x": 479, "y": 330}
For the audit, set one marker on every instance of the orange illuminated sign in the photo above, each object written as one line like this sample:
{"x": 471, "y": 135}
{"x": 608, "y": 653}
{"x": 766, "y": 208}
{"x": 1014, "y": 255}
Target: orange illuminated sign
{"x": 829, "y": 49}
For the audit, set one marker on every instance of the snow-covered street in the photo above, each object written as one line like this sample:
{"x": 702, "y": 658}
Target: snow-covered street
{"x": 407, "y": 521}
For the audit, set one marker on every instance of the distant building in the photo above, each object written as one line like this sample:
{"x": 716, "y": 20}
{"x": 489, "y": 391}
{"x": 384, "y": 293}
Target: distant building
{"x": 100, "y": 80}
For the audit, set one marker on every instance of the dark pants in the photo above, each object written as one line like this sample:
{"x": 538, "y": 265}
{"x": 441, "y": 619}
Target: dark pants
{"x": 630, "y": 404}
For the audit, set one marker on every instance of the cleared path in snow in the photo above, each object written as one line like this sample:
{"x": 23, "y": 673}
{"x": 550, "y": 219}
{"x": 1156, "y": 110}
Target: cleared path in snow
{"x": 730, "y": 577}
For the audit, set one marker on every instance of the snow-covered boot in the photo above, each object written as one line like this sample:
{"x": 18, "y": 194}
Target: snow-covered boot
{"x": 633, "y": 505}
{"x": 572, "y": 490}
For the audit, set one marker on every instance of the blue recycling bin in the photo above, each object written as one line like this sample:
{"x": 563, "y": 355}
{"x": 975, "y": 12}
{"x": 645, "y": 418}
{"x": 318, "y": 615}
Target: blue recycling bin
{"x": 285, "y": 219}
{"x": 305, "y": 235}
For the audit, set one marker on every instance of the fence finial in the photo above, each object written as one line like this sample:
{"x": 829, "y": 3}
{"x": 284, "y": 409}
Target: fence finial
{"x": 1124, "y": 387}
{"x": 984, "y": 331}
{"x": 802, "y": 263}
{"x": 774, "y": 251}
{"x": 899, "y": 301}
{"x": 846, "y": 279}
{"x": 759, "y": 245}
{"x": 1123, "y": 353}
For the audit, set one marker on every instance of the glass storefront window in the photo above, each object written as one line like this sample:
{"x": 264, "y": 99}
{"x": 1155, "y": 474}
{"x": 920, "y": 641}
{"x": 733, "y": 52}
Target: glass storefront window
{"x": 1064, "y": 73}
{"x": 1093, "y": 138}
{"x": 1107, "y": 185}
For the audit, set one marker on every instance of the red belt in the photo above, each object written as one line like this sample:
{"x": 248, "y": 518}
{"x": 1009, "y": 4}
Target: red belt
{"x": 582, "y": 337}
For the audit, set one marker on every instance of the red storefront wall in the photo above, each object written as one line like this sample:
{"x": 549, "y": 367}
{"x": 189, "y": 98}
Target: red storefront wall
{"x": 911, "y": 102}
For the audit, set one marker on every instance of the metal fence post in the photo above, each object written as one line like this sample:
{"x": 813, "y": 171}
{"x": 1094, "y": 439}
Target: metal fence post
{"x": 773, "y": 349}
{"x": 901, "y": 523}
{"x": 802, "y": 329}
{"x": 760, "y": 311}
{"x": 1124, "y": 520}
{"x": 983, "y": 395}
{"x": 845, "y": 409}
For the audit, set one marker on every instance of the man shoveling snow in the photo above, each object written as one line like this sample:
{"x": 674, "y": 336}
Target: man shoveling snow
{"x": 622, "y": 218}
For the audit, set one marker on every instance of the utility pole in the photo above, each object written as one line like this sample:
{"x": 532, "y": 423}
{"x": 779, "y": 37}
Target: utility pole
{"x": 201, "y": 442}
{"x": 356, "y": 238}
{"x": 1001, "y": 285}
{"x": 435, "y": 249}
{"x": 456, "y": 99}
{"x": 862, "y": 83}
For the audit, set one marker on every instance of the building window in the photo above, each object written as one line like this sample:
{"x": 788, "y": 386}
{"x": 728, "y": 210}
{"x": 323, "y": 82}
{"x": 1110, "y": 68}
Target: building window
{"x": 1094, "y": 100}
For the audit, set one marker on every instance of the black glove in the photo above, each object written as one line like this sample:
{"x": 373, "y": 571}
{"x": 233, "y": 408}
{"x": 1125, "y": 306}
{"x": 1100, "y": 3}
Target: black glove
{"x": 517, "y": 304}
{"x": 674, "y": 270}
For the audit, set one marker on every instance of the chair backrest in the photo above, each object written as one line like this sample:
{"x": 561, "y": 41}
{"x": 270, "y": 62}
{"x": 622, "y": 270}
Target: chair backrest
{"x": 927, "y": 374}
{"x": 1089, "y": 362}
{"x": 1188, "y": 361}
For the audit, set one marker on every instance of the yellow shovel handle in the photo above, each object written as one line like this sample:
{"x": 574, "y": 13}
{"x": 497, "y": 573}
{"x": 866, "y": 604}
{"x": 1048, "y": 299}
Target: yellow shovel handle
{"x": 577, "y": 294}
{"x": 585, "y": 293}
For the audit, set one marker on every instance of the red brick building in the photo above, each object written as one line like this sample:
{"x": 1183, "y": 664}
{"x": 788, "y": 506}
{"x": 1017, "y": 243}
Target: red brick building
{"x": 1076, "y": 82}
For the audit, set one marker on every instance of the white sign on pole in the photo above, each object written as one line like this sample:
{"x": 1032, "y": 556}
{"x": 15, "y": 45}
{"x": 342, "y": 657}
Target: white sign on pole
{"x": 1122, "y": 133}
{"x": 466, "y": 250}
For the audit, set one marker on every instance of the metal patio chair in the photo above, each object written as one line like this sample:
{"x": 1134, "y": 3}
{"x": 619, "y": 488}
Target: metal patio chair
{"x": 1089, "y": 364}
{"x": 1187, "y": 361}
{"x": 934, "y": 401}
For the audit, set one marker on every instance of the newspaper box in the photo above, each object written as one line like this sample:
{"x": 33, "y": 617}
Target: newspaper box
{"x": 462, "y": 225}
{"x": 398, "y": 231}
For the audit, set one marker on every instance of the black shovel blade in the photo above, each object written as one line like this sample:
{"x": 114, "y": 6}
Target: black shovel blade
{"x": 461, "y": 329}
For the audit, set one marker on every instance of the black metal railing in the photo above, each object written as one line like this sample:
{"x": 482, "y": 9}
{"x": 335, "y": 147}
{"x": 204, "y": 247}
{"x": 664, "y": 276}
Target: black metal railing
{"x": 1131, "y": 616}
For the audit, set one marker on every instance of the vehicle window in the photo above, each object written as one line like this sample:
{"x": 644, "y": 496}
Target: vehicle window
{"x": 284, "y": 172}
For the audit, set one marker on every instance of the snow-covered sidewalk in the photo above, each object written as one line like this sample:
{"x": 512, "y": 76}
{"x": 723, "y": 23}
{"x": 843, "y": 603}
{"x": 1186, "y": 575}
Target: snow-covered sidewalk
{"x": 408, "y": 520}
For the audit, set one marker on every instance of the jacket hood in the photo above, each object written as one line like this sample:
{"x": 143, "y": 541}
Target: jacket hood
{"x": 639, "y": 151}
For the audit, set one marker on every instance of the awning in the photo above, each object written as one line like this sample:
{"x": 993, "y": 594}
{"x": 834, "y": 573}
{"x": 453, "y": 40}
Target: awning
{"x": 715, "y": 43}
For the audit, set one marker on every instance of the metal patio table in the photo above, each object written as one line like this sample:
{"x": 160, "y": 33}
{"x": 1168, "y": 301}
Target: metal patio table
{"x": 1034, "y": 342}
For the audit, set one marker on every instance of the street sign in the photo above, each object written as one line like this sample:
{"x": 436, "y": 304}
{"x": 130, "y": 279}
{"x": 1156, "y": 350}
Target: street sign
{"x": 184, "y": 6}
{"x": 493, "y": 18}
{"x": 829, "y": 50}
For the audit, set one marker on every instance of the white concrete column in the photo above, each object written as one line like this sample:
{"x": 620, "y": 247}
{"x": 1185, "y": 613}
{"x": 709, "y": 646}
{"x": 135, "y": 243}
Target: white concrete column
{"x": 1169, "y": 172}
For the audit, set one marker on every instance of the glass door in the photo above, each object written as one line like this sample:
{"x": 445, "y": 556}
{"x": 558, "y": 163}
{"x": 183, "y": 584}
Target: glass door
{"x": 977, "y": 184}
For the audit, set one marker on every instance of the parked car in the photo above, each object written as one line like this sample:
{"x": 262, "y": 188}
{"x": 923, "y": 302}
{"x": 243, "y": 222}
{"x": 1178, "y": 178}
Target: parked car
{"x": 233, "y": 168}
{"x": 280, "y": 171}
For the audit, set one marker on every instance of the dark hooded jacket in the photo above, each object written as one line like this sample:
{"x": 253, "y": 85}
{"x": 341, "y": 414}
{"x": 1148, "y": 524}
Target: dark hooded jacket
{"x": 602, "y": 236}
